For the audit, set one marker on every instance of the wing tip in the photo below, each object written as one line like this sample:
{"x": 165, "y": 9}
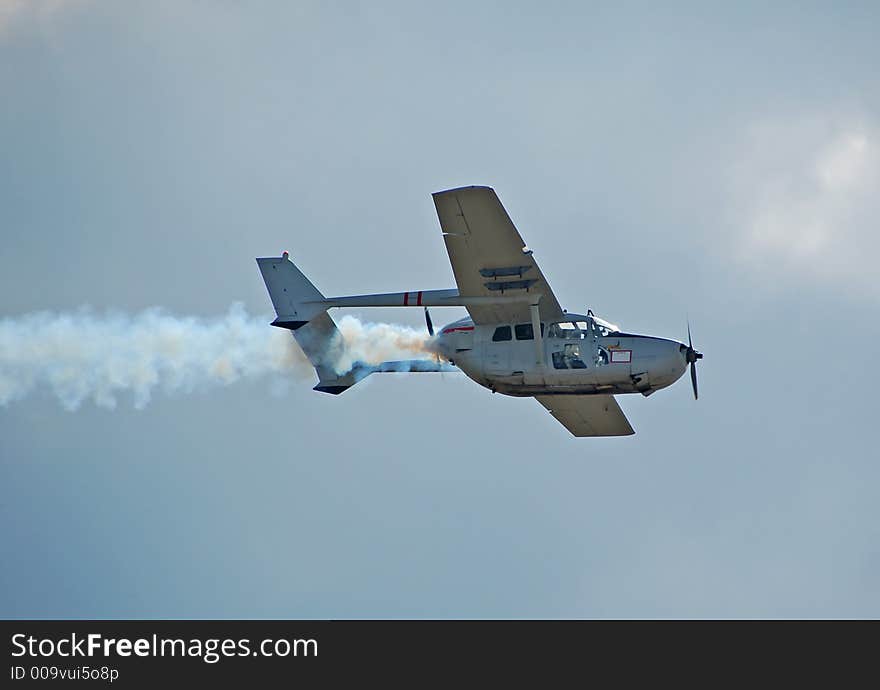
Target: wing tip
{"x": 465, "y": 188}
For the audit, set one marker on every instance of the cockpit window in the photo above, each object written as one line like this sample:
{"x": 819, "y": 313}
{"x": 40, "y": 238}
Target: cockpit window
{"x": 524, "y": 331}
{"x": 578, "y": 330}
{"x": 569, "y": 330}
{"x": 569, "y": 357}
{"x": 501, "y": 333}
{"x": 604, "y": 327}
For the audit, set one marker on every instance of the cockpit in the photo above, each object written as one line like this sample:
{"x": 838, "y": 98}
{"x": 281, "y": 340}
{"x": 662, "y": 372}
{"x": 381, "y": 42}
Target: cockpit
{"x": 581, "y": 327}
{"x": 573, "y": 343}
{"x": 604, "y": 327}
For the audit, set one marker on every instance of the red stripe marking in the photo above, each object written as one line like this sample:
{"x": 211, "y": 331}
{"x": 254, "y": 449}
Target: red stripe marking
{"x": 420, "y": 298}
{"x": 460, "y": 328}
{"x": 405, "y": 299}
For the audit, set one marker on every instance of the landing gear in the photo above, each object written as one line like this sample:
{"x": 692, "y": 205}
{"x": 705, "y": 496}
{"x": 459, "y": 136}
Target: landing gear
{"x": 643, "y": 386}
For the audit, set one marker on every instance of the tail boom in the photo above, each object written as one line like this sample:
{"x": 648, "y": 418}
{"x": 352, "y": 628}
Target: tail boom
{"x": 302, "y": 309}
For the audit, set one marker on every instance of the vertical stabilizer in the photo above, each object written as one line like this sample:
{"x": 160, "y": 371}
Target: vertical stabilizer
{"x": 300, "y": 309}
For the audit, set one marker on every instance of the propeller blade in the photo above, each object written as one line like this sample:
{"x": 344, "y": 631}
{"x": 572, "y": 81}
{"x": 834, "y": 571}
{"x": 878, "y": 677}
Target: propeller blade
{"x": 428, "y": 322}
{"x": 691, "y": 356}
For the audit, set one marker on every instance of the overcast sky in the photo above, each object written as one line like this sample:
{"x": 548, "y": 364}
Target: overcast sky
{"x": 717, "y": 162}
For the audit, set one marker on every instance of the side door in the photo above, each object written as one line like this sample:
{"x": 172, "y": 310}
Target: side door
{"x": 524, "y": 358}
{"x": 617, "y": 359}
{"x": 496, "y": 349}
{"x": 570, "y": 359}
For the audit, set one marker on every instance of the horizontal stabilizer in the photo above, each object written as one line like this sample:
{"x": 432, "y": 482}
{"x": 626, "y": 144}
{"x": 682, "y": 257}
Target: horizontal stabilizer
{"x": 339, "y": 384}
{"x": 412, "y": 366}
{"x": 329, "y": 382}
{"x": 288, "y": 323}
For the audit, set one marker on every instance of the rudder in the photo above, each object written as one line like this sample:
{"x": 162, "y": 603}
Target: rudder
{"x": 295, "y": 299}
{"x": 300, "y": 309}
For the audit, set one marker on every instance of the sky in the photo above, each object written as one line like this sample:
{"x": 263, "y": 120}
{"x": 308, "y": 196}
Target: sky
{"x": 718, "y": 163}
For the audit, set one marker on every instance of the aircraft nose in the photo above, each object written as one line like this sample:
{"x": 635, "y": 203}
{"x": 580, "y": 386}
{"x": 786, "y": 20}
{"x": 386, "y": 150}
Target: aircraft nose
{"x": 679, "y": 358}
{"x": 669, "y": 363}
{"x": 682, "y": 351}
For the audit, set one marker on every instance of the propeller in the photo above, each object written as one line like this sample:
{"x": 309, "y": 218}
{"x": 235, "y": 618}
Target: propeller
{"x": 691, "y": 356}
{"x": 430, "y": 325}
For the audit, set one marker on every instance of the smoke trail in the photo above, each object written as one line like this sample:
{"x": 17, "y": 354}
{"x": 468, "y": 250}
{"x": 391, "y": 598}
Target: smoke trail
{"x": 372, "y": 343}
{"x": 83, "y": 356}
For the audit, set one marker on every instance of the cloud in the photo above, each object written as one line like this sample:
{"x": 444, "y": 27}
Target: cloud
{"x": 804, "y": 201}
{"x": 43, "y": 10}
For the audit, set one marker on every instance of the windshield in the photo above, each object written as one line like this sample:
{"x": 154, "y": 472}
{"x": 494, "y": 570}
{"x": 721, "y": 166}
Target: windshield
{"x": 569, "y": 330}
{"x": 577, "y": 330}
{"x": 605, "y": 327}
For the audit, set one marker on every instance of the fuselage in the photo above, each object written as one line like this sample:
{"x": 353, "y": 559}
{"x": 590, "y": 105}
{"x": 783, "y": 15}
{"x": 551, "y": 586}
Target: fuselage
{"x": 581, "y": 356}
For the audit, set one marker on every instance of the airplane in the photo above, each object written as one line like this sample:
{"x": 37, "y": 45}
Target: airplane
{"x": 516, "y": 339}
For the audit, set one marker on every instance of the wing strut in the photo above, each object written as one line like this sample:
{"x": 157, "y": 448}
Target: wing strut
{"x": 536, "y": 329}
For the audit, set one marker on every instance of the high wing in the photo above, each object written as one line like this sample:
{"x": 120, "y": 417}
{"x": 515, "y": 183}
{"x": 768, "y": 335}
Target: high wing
{"x": 588, "y": 415}
{"x": 487, "y": 257}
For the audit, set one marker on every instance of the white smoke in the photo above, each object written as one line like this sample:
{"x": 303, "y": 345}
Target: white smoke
{"x": 372, "y": 343}
{"x": 84, "y": 356}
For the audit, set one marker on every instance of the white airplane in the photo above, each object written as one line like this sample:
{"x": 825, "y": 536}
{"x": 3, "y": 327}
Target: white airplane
{"x": 517, "y": 340}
